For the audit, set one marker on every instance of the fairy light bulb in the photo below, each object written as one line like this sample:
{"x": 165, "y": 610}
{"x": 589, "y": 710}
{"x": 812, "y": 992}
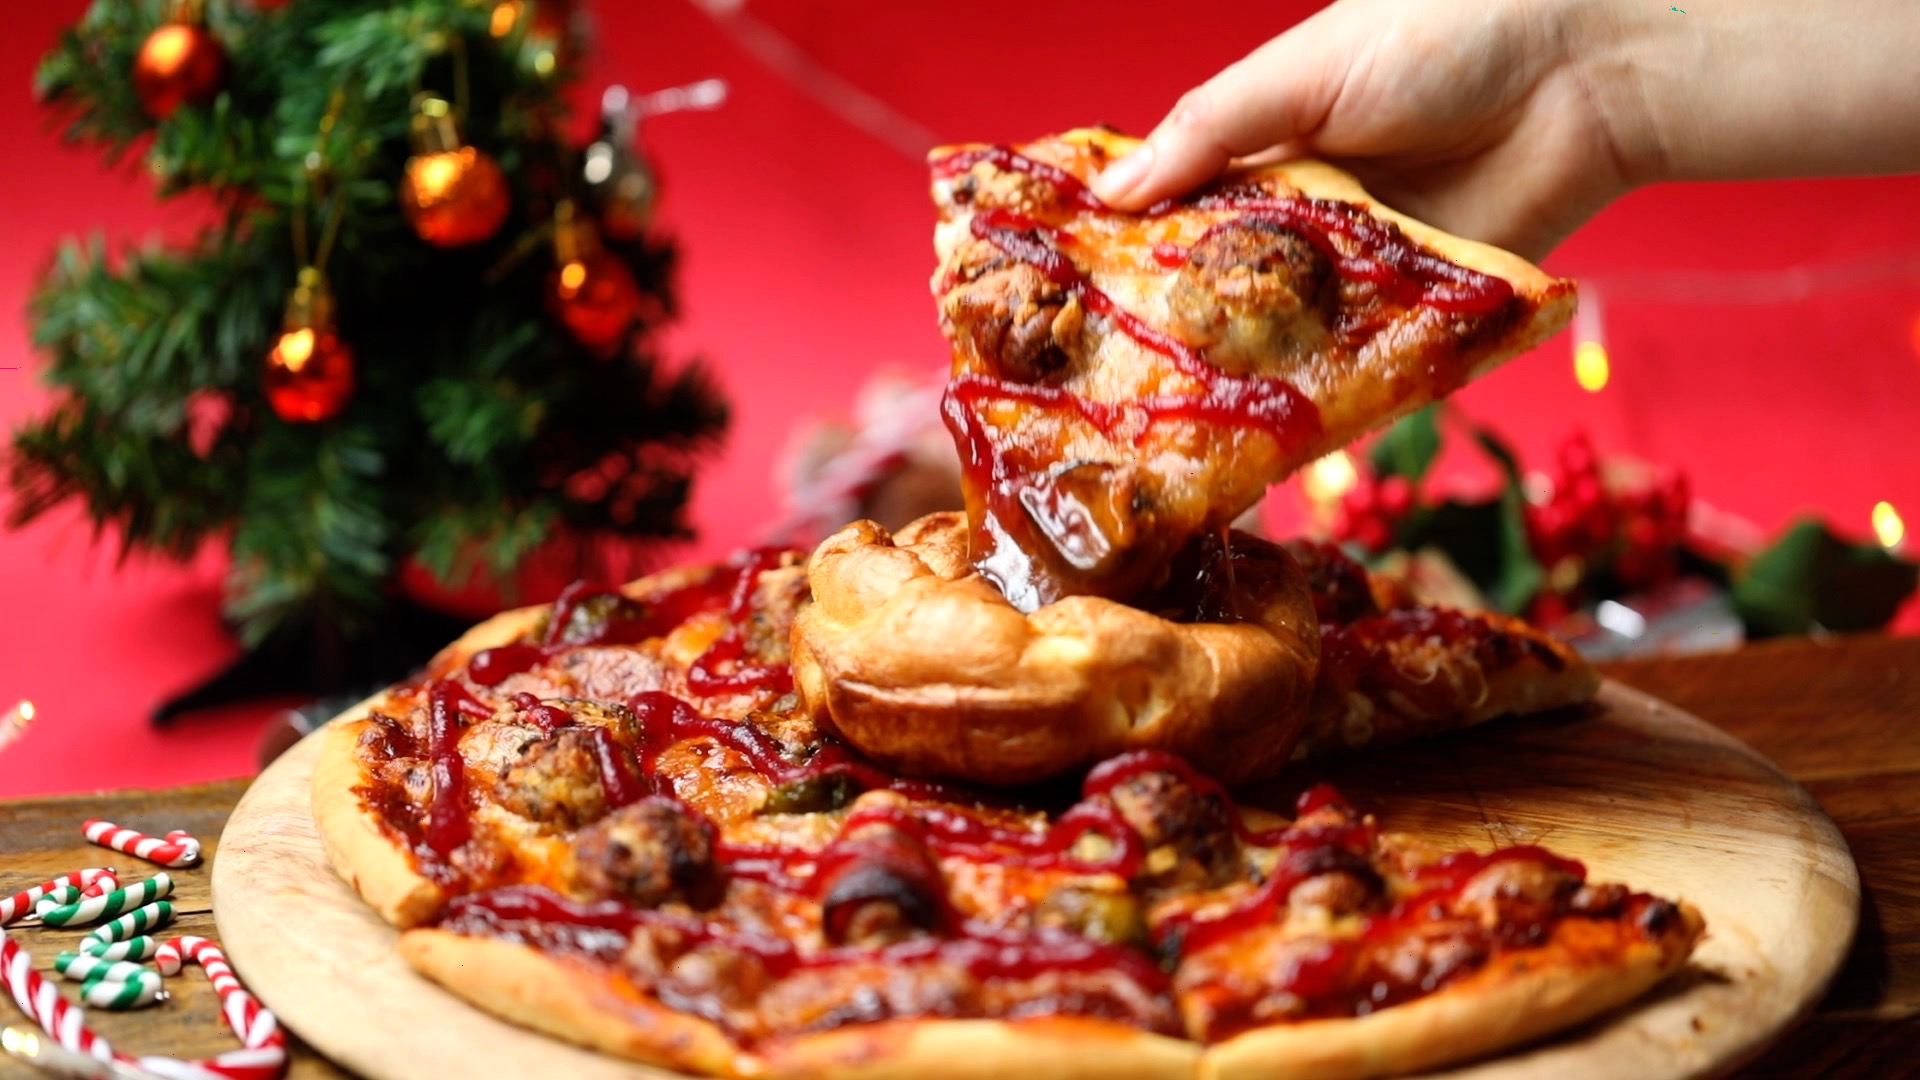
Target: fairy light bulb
{"x": 1330, "y": 477}
{"x": 1888, "y": 528}
{"x": 1590, "y": 366}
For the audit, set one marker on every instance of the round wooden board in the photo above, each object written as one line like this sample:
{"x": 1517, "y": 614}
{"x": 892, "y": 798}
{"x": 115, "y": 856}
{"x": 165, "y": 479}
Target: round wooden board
{"x": 1643, "y": 793}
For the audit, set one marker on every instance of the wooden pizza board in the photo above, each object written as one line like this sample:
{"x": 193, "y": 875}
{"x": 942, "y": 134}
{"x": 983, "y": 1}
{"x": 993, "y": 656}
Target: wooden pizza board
{"x": 1643, "y": 793}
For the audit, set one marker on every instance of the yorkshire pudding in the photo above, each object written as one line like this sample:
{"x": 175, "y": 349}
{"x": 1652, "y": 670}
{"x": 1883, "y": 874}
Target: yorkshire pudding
{"x": 910, "y": 655}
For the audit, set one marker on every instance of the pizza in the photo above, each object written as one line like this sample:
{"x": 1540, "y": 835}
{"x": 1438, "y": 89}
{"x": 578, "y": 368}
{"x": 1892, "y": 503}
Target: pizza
{"x": 613, "y": 820}
{"x": 1123, "y": 383}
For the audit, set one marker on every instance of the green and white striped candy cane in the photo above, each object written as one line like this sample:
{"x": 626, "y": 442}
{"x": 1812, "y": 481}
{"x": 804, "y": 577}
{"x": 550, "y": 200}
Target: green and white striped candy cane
{"x": 133, "y": 948}
{"x": 132, "y": 994}
{"x": 83, "y": 968}
{"x": 94, "y": 908}
{"x": 138, "y": 921}
{"x": 57, "y": 897}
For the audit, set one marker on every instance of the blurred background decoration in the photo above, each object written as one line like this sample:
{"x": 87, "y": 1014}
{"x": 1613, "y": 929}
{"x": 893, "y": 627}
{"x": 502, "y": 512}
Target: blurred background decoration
{"x": 418, "y": 329}
{"x": 1761, "y": 340}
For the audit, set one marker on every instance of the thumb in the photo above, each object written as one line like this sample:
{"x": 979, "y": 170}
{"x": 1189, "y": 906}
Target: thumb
{"x": 1277, "y": 94}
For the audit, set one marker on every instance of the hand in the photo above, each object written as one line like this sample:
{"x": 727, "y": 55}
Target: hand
{"x": 1474, "y": 117}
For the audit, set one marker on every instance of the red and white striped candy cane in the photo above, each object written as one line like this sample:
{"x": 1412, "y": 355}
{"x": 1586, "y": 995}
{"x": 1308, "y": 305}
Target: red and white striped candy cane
{"x": 20, "y": 904}
{"x": 102, "y": 885}
{"x": 140, "y": 845}
{"x": 59, "y": 1018}
{"x": 263, "y": 1052}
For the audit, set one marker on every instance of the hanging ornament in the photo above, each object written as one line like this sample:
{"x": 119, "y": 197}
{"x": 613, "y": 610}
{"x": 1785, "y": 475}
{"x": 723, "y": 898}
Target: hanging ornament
{"x": 591, "y": 290}
{"x": 309, "y": 374}
{"x": 453, "y": 195}
{"x": 180, "y": 63}
{"x": 619, "y": 180}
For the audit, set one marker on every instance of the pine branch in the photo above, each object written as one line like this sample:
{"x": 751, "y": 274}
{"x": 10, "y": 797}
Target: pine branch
{"x": 479, "y": 432}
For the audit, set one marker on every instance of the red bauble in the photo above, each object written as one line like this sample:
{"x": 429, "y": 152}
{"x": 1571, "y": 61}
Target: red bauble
{"x": 454, "y": 197}
{"x": 597, "y": 298}
{"x": 309, "y": 375}
{"x": 179, "y": 64}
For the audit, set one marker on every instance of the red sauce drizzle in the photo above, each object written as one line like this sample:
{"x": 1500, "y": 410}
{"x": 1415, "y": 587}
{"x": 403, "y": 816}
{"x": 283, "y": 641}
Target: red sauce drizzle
{"x": 448, "y": 822}
{"x": 723, "y": 668}
{"x": 1383, "y": 255}
{"x": 665, "y": 720}
{"x": 618, "y": 782}
{"x": 653, "y": 617}
{"x": 1065, "y": 184}
{"x": 534, "y": 912}
{"x": 491, "y": 667}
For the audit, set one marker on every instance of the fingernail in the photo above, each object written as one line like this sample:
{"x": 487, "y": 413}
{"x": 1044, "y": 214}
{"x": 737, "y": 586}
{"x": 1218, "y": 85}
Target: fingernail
{"x": 1124, "y": 175}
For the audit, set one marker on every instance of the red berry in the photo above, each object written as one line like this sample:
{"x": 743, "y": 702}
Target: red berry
{"x": 1396, "y": 496}
{"x": 1373, "y": 534}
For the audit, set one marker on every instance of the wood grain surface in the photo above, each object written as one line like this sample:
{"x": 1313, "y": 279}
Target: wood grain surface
{"x": 1643, "y": 793}
{"x": 1841, "y": 716}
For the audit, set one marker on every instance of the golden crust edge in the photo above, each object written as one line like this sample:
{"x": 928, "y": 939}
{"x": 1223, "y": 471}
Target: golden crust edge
{"x": 1497, "y": 1009}
{"x": 356, "y": 841}
{"x": 573, "y": 1002}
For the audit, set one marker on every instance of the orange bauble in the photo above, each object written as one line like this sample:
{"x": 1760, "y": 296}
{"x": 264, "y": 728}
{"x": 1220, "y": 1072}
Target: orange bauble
{"x": 454, "y": 197}
{"x": 179, "y": 64}
{"x": 597, "y": 299}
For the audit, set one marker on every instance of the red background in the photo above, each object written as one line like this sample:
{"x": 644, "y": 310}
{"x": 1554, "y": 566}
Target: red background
{"x": 806, "y": 257}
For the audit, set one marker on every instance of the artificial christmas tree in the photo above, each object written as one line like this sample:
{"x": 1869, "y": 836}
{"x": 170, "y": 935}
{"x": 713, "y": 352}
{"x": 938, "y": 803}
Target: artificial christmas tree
{"x": 361, "y": 363}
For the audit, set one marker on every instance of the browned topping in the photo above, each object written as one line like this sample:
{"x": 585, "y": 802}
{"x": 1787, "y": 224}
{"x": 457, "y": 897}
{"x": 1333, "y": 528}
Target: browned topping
{"x": 556, "y": 782}
{"x": 647, "y": 853}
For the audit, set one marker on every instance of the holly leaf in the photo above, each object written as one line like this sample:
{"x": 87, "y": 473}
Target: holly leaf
{"x": 1408, "y": 447}
{"x": 1810, "y": 577}
{"x": 1487, "y": 541}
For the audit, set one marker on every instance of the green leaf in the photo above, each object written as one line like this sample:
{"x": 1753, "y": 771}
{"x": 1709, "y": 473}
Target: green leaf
{"x": 1409, "y": 446}
{"x": 1810, "y": 577}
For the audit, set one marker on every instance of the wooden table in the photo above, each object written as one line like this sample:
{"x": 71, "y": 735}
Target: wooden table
{"x": 1843, "y": 717}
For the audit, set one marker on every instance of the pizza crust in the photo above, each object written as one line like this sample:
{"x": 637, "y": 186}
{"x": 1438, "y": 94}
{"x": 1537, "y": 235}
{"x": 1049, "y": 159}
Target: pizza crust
{"x": 361, "y": 849}
{"x": 1523, "y": 997}
{"x": 572, "y": 1001}
{"x": 569, "y": 1000}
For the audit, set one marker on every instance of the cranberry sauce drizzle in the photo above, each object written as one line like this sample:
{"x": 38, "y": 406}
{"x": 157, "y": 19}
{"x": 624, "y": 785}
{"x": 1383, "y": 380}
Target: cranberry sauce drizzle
{"x": 650, "y": 617}
{"x": 449, "y": 824}
{"x": 1064, "y": 183}
{"x": 723, "y": 668}
{"x": 665, "y": 720}
{"x": 538, "y": 915}
{"x": 1268, "y": 404}
{"x": 618, "y": 782}
{"x": 1383, "y": 255}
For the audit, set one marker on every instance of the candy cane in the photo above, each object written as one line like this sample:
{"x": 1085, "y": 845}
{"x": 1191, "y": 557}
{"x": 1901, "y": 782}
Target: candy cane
{"x": 20, "y": 904}
{"x": 166, "y": 852}
{"x": 263, "y": 1051}
{"x": 93, "y": 908}
{"x": 133, "y": 948}
{"x": 83, "y": 968}
{"x": 38, "y": 998}
{"x": 138, "y": 921}
{"x": 102, "y": 885}
{"x": 262, "y": 1056}
{"x": 57, "y": 897}
{"x": 120, "y": 996}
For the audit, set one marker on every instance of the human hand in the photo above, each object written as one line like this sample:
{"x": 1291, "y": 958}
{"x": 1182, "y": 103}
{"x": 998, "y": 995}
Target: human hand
{"x": 1474, "y": 117}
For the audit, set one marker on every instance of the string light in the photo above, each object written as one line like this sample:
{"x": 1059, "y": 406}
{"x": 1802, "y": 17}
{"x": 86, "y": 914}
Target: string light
{"x": 1887, "y": 526}
{"x": 1590, "y": 367}
{"x": 1330, "y": 477}
{"x": 13, "y": 723}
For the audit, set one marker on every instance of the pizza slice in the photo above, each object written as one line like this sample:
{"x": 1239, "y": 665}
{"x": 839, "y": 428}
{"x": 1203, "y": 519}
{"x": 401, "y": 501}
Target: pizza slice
{"x": 1393, "y": 670}
{"x": 1124, "y": 382}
